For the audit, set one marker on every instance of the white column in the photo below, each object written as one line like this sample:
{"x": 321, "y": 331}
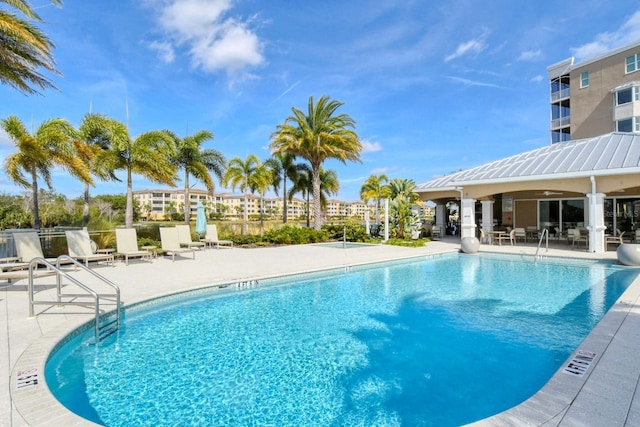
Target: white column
{"x": 596, "y": 222}
{"x": 467, "y": 218}
{"x": 487, "y": 214}
{"x": 440, "y": 217}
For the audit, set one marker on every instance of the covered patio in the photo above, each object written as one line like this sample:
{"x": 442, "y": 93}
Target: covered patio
{"x": 590, "y": 185}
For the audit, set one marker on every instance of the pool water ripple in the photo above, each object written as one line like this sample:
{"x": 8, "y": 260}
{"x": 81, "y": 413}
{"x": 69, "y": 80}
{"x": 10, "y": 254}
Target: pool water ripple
{"x": 437, "y": 342}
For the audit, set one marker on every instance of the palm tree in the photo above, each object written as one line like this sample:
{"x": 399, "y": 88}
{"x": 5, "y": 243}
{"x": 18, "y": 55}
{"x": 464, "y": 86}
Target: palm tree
{"x": 404, "y": 188}
{"x": 283, "y": 166}
{"x": 24, "y": 49}
{"x": 149, "y": 155}
{"x": 198, "y": 163}
{"x": 317, "y": 136}
{"x": 329, "y": 186}
{"x": 302, "y": 182}
{"x": 93, "y": 140}
{"x": 404, "y": 198}
{"x": 261, "y": 180}
{"x": 375, "y": 188}
{"x": 39, "y": 152}
{"x": 239, "y": 174}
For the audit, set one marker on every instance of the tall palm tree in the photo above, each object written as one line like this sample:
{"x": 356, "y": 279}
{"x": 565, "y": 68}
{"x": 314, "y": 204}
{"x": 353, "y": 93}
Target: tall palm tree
{"x": 197, "y": 163}
{"x": 329, "y": 186}
{"x": 39, "y": 152}
{"x": 284, "y": 166}
{"x": 240, "y": 174}
{"x": 24, "y": 49}
{"x": 94, "y": 138}
{"x": 375, "y": 188}
{"x": 317, "y": 136}
{"x": 149, "y": 155}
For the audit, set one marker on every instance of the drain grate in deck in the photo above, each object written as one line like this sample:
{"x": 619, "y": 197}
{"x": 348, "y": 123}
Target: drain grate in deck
{"x": 579, "y": 364}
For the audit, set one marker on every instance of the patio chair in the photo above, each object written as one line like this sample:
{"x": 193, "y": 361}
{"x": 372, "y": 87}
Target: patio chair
{"x": 79, "y": 245}
{"x": 127, "y": 245}
{"x": 520, "y": 233}
{"x": 171, "y": 243}
{"x": 616, "y": 240}
{"x": 211, "y": 238}
{"x": 485, "y": 237}
{"x": 510, "y": 237}
{"x": 436, "y": 231}
{"x": 636, "y": 236}
{"x": 575, "y": 236}
{"x": 184, "y": 237}
{"x": 28, "y": 246}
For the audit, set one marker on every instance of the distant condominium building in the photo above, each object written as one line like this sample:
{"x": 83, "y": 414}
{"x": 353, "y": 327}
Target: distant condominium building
{"x": 160, "y": 204}
{"x": 596, "y": 96}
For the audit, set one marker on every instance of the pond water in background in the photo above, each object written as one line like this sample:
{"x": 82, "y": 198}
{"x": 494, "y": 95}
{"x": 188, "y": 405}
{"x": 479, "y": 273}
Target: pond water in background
{"x": 441, "y": 341}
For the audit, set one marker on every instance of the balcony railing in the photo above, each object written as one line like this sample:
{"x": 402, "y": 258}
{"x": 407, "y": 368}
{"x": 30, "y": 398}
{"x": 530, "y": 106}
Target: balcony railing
{"x": 561, "y": 122}
{"x": 560, "y": 94}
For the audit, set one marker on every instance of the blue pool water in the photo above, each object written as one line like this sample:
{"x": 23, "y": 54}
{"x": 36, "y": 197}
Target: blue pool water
{"x": 435, "y": 342}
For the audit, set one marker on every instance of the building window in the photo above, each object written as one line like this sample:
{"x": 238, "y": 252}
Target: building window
{"x": 624, "y": 96}
{"x": 633, "y": 63}
{"x": 584, "y": 79}
{"x": 625, "y": 125}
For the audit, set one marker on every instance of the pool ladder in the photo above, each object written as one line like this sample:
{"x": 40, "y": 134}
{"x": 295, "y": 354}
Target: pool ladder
{"x": 545, "y": 236}
{"x": 105, "y": 323}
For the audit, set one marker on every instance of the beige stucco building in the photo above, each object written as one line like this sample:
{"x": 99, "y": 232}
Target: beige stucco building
{"x": 597, "y": 96}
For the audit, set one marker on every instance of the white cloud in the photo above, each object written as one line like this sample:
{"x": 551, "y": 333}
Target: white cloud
{"x": 537, "y": 79}
{"x": 371, "y": 147}
{"x": 472, "y": 47}
{"x": 604, "y": 42}
{"x": 530, "y": 55}
{"x": 468, "y": 82}
{"x": 380, "y": 171}
{"x": 215, "y": 41}
{"x": 165, "y": 50}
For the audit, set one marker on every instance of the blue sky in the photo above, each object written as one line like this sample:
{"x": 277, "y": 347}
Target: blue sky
{"x": 434, "y": 86}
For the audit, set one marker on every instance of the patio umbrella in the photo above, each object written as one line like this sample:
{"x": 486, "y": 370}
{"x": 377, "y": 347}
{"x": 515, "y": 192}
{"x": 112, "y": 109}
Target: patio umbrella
{"x": 201, "y": 220}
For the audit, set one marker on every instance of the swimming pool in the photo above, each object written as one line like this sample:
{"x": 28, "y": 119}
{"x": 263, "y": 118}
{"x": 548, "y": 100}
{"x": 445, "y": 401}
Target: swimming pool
{"x": 440, "y": 341}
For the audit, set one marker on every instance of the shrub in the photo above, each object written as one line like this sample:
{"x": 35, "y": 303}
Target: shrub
{"x": 292, "y": 235}
{"x": 353, "y": 231}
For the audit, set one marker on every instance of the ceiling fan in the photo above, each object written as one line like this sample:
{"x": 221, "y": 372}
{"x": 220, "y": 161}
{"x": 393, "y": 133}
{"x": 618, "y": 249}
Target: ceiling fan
{"x": 548, "y": 193}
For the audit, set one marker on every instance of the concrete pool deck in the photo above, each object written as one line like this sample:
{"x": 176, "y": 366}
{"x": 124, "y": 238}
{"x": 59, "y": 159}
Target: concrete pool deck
{"x": 605, "y": 395}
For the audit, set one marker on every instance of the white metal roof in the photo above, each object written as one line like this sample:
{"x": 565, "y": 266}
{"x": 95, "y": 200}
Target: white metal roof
{"x": 609, "y": 154}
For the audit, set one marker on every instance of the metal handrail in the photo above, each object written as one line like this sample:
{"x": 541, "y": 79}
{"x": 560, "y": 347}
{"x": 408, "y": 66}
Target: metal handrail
{"x": 545, "y": 233}
{"x": 34, "y": 263}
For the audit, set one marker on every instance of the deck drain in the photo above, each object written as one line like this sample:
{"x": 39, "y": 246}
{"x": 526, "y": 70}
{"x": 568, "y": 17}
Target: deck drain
{"x": 580, "y": 363}
{"x": 28, "y": 377}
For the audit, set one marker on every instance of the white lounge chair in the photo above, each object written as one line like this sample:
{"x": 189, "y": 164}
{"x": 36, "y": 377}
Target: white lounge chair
{"x": 171, "y": 243}
{"x": 127, "y": 245}
{"x": 211, "y": 238}
{"x": 28, "y": 245}
{"x": 79, "y": 245}
{"x": 184, "y": 237}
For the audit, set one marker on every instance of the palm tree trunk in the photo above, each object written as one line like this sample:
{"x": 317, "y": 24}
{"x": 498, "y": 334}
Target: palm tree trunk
{"x": 262, "y": 214}
{"x": 245, "y": 216}
{"x": 128, "y": 215}
{"x": 284, "y": 200}
{"x": 187, "y": 201}
{"x": 308, "y": 209}
{"x": 36, "y": 208}
{"x": 85, "y": 209}
{"x": 317, "y": 209}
